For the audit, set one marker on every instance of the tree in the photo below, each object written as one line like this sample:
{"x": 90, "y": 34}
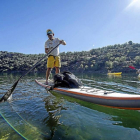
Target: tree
{"x": 115, "y": 64}
{"x": 130, "y": 42}
{"x": 109, "y": 64}
{"x": 137, "y": 59}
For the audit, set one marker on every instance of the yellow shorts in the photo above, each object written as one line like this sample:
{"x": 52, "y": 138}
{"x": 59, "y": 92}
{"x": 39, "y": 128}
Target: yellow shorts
{"x": 53, "y": 61}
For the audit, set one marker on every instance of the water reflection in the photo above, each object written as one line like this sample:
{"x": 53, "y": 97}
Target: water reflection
{"x": 114, "y": 76}
{"x": 53, "y": 107}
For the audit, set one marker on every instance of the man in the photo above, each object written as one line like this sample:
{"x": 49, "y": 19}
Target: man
{"x": 138, "y": 72}
{"x": 53, "y": 58}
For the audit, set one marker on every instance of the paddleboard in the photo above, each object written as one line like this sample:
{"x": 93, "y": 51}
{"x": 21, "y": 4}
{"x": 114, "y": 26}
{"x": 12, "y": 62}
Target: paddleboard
{"x": 97, "y": 96}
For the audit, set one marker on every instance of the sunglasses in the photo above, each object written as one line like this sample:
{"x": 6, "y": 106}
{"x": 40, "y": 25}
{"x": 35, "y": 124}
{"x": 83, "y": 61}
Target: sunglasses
{"x": 50, "y": 34}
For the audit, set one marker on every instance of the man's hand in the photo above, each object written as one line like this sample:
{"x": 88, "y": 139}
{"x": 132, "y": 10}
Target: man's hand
{"x": 62, "y": 42}
{"x": 47, "y": 50}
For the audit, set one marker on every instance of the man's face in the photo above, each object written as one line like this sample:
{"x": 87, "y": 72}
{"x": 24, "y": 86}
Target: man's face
{"x": 50, "y": 36}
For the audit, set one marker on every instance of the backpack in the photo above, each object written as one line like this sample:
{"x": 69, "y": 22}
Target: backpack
{"x": 66, "y": 79}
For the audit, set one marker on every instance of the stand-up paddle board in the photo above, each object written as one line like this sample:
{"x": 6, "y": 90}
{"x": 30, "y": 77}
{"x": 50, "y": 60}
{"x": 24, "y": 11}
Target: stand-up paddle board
{"x": 97, "y": 96}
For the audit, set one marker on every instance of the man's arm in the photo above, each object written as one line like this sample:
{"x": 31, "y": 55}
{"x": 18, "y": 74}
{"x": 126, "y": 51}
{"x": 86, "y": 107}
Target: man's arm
{"x": 47, "y": 49}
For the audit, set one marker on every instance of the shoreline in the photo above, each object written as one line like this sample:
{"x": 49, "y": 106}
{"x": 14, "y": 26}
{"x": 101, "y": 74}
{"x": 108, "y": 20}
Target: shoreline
{"x": 72, "y": 71}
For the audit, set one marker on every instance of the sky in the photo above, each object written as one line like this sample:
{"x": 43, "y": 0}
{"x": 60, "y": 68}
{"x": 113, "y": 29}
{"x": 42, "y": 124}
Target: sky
{"x": 83, "y": 24}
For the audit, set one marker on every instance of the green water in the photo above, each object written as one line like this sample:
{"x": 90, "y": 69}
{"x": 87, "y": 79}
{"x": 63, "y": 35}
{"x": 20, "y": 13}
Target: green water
{"x": 35, "y": 114}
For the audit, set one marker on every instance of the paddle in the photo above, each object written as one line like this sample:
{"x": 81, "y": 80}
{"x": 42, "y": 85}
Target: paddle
{"x": 10, "y": 91}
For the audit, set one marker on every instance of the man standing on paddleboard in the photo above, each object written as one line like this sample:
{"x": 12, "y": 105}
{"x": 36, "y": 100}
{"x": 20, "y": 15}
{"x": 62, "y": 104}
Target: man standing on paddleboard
{"x": 53, "y": 58}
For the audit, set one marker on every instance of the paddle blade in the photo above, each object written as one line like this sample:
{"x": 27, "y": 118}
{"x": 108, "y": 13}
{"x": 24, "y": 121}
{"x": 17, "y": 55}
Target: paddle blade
{"x": 132, "y": 67}
{"x": 9, "y": 92}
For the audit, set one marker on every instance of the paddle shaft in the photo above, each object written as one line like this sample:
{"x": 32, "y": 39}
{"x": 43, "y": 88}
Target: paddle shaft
{"x": 10, "y": 91}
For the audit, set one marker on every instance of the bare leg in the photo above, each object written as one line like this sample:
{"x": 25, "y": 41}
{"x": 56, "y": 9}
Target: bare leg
{"x": 57, "y": 70}
{"x": 48, "y": 73}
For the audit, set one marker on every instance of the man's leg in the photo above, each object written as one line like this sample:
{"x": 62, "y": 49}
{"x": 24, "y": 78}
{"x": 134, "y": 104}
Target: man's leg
{"x": 57, "y": 64}
{"x": 47, "y": 74}
{"x": 57, "y": 70}
{"x": 50, "y": 65}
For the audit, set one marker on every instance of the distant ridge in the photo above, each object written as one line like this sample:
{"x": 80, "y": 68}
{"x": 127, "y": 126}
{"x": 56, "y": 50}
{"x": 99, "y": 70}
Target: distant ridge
{"x": 114, "y": 57}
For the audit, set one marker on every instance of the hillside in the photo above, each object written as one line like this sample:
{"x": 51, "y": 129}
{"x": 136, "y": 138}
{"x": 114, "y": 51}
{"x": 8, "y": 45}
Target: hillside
{"x": 114, "y": 57}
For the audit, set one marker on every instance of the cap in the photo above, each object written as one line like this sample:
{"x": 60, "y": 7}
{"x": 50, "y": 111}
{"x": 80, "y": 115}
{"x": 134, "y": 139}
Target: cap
{"x": 49, "y": 32}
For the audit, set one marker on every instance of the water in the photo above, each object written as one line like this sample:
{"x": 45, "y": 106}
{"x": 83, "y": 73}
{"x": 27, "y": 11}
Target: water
{"x": 35, "y": 114}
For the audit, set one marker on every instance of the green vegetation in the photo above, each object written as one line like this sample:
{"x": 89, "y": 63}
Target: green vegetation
{"x": 114, "y": 57}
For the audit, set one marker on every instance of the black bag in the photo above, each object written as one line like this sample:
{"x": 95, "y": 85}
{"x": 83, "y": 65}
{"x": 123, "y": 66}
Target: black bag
{"x": 66, "y": 79}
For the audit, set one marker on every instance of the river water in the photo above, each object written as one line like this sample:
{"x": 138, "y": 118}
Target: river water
{"x": 34, "y": 113}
